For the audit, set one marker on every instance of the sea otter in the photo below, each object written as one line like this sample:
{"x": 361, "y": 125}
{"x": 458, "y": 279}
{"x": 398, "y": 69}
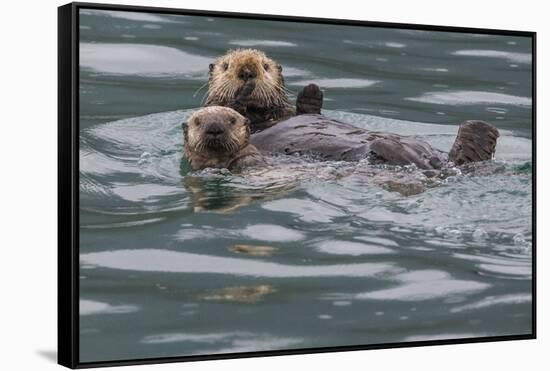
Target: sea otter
{"x": 252, "y": 84}
{"x": 218, "y": 137}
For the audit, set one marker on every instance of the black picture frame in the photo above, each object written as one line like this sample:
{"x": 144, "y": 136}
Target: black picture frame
{"x": 68, "y": 183}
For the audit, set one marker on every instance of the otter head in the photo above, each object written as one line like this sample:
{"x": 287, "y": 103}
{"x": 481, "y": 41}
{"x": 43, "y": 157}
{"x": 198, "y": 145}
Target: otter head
{"x": 215, "y": 131}
{"x": 247, "y": 76}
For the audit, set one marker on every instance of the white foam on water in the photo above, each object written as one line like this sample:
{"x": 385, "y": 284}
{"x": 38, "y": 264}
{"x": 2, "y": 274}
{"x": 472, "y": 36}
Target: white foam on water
{"x": 491, "y": 301}
{"x": 498, "y": 110}
{"x": 395, "y": 45}
{"x": 261, "y": 232}
{"x": 424, "y": 285}
{"x": 512, "y": 267}
{"x": 294, "y": 72}
{"x": 90, "y": 307}
{"x": 231, "y": 342}
{"x": 152, "y": 26}
{"x": 470, "y": 97}
{"x": 341, "y": 303}
{"x": 141, "y": 59}
{"x": 307, "y": 210}
{"x": 257, "y": 343}
{"x": 513, "y": 148}
{"x": 273, "y": 233}
{"x": 141, "y": 134}
{"x": 99, "y": 163}
{"x": 336, "y": 83}
{"x": 159, "y": 260}
{"x": 435, "y": 69}
{"x": 379, "y": 240}
{"x": 132, "y": 16}
{"x": 136, "y": 223}
{"x": 351, "y": 248}
{"x": 188, "y": 234}
{"x": 443, "y": 337}
{"x": 251, "y": 42}
{"x": 510, "y": 56}
{"x": 190, "y": 337}
{"x": 391, "y": 125}
{"x": 142, "y": 192}
{"x": 507, "y": 270}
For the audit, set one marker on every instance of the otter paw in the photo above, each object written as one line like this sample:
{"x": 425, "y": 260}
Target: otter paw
{"x": 310, "y": 100}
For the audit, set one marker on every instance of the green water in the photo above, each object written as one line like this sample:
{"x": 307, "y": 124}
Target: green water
{"x": 350, "y": 263}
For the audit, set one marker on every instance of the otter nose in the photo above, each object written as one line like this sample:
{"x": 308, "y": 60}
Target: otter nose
{"x": 246, "y": 74}
{"x": 214, "y": 130}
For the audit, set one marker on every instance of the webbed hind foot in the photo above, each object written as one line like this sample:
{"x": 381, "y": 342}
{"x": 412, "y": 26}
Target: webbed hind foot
{"x": 476, "y": 141}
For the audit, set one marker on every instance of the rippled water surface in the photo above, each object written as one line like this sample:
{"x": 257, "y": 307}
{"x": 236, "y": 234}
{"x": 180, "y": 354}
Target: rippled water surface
{"x": 299, "y": 254}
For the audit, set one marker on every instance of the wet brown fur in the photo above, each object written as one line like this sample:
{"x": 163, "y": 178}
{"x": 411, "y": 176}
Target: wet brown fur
{"x": 230, "y": 150}
{"x": 262, "y": 98}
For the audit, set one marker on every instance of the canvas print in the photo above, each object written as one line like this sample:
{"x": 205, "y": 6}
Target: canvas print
{"x": 256, "y": 185}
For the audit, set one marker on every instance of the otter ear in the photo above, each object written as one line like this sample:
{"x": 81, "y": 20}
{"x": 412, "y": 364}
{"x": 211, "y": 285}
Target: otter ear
{"x": 211, "y": 67}
{"x": 247, "y": 121}
{"x": 280, "y": 68}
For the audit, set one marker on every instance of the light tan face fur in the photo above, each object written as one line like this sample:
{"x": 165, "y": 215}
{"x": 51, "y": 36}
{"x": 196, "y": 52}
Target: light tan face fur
{"x": 226, "y": 78}
{"x": 216, "y": 129}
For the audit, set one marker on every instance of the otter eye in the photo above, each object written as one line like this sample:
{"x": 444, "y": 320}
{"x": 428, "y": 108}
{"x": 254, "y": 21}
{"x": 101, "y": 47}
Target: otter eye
{"x": 197, "y": 122}
{"x": 232, "y": 120}
{"x": 266, "y": 66}
{"x": 225, "y": 66}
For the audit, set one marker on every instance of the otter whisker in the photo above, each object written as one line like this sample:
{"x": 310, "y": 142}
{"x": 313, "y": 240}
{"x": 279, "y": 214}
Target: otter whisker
{"x": 204, "y": 98}
{"x": 199, "y": 89}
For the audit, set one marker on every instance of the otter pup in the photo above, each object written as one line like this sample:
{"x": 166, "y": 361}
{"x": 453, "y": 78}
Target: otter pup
{"x": 253, "y": 85}
{"x": 219, "y": 137}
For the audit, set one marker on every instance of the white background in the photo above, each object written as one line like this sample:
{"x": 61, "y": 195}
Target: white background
{"x": 28, "y": 155}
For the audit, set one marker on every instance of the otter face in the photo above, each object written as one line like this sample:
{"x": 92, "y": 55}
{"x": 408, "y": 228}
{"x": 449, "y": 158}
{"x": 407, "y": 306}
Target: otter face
{"x": 247, "y": 76}
{"x": 216, "y": 129}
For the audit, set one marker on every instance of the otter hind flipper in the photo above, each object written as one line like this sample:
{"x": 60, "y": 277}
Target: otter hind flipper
{"x": 309, "y": 100}
{"x": 476, "y": 141}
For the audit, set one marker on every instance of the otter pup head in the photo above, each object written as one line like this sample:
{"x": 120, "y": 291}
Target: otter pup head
{"x": 216, "y": 131}
{"x": 248, "y": 77}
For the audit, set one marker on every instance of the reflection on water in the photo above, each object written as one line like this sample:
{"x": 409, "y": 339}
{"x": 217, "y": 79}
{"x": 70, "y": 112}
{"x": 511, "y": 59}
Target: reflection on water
{"x": 143, "y": 60}
{"x": 174, "y": 262}
{"x": 171, "y": 261}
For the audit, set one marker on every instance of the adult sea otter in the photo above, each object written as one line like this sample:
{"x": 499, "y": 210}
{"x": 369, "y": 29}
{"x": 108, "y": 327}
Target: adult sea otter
{"x": 252, "y": 84}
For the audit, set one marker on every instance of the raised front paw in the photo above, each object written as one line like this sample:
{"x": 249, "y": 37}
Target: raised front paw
{"x": 310, "y": 100}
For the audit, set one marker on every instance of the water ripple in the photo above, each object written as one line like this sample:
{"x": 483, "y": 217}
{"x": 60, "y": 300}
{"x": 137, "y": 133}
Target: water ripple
{"x": 157, "y": 260}
{"x": 425, "y": 285}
